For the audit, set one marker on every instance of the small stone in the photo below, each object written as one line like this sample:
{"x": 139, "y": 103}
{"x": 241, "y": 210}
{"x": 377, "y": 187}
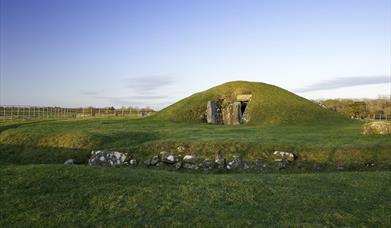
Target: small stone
{"x": 170, "y": 159}
{"x": 260, "y": 163}
{"x": 160, "y": 164}
{"x": 370, "y": 164}
{"x": 284, "y": 155}
{"x": 208, "y": 164}
{"x": 70, "y": 162}
{"x": 163, "y": 155}
{"x": 235, "y": 163}
{"x": 246, "y": 166}
{"x": 147, "y": 162}
{"x": 154, "y": 160}
{"x": 178, "y": 165}
{"x": 281, "y": 165}
{"x": 190, "y": 166}
{"x": 220, "y": 161}
{"x": 133, "y": 162}
{"x": 189, "y": 159}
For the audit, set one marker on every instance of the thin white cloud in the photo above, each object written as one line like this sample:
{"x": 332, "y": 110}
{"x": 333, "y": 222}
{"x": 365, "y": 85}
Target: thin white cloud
{"x": 142, "y": 100}
{"x": 89, "y": 92}
{"x": 343, "y": 82}
{"x": 148, "y": 84}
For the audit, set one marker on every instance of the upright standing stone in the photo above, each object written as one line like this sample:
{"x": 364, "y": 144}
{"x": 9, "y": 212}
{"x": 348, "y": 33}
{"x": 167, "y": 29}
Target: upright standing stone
{"x": 211, "y": 112}
{"x": 237, "y": 113}
{"x": 227, "y": 114}
{"x": 245, "y": 115}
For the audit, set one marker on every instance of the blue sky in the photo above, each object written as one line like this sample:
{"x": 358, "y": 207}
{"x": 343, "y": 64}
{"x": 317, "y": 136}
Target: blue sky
{"x": 152, "y": 53}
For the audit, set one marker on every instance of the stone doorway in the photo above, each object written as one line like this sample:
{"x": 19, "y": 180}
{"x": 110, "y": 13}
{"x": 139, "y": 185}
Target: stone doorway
{"x": 228, "y": 113}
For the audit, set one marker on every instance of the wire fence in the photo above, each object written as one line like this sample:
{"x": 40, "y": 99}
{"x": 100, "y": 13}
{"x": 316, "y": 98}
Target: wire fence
{"x": 379, "y": 117}
{"x": 13, "y": 112}
{"x": 386, "y": 117}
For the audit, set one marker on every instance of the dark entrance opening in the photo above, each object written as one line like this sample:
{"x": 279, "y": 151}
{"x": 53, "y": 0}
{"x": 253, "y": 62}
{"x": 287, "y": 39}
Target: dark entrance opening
{"x": 243, "y": 107}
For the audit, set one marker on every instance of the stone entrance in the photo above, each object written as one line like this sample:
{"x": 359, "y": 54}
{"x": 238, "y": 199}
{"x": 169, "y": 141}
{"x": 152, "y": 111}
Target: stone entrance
{"x": 228, "y": 113}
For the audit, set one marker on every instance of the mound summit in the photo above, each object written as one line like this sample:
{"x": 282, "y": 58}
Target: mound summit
{"x": 242, "y": 102}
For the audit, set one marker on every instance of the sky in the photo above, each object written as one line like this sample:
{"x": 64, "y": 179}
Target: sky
{"x": 74, "y": 53}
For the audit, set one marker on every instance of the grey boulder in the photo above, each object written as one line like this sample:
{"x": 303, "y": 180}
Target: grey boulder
{"x": 107, "y": 158}
{"x": 236, "y": 163}
{"x": 154, "y": 160}
{"x": 190, "y": 159}
{"x": 167, "y": 157}
{"x": 281, "y": 155}
{"x": 220, "y": 161}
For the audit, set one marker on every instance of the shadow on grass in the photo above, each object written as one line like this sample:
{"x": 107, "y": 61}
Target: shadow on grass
{"x": 27, "y": 154}
{"x": 60, "y": 148}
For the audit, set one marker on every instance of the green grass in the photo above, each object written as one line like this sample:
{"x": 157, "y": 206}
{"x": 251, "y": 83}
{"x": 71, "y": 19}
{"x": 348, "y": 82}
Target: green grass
{"x": 55, "y": 141}
{"x": 280, "y": 120}
{"x": 269, "y": 106}
{"x": 58, "y": 196}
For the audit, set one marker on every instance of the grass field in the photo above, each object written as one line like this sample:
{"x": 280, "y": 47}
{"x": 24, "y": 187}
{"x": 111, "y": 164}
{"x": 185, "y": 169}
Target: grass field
{"x": 57, "y": 195}
{"x": 56, "y": 141}
{"x": 52, "y": 195}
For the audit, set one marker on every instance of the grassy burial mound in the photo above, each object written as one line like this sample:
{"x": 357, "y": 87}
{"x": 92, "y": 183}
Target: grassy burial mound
{"x": 257, "y": 103}
{"x": 277, "y": 121}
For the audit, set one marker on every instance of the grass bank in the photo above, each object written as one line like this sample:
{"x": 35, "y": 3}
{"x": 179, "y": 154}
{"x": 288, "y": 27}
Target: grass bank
{"x": 56, "y": 141}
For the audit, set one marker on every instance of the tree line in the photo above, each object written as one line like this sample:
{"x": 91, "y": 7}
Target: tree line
{"x": 360, "y": 109}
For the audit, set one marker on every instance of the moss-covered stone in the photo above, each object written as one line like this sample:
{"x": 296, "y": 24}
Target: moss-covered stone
{"x": 377, "y": 128}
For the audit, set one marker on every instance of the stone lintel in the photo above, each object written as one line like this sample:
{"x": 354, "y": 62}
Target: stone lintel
{"x": 244, "y": 97}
